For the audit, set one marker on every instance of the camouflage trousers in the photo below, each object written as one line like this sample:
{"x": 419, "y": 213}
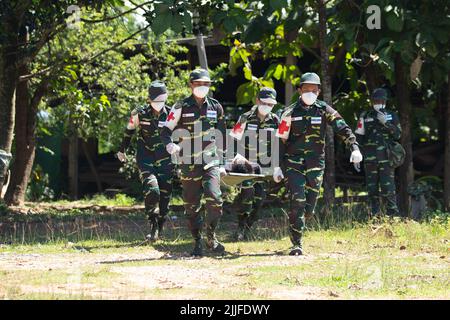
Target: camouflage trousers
{"x": 250, "y": 200}
{"x": 156, "y": 178}
{"x": 195, "y": 182}
{"x": 380, "y": 182}
{"x": 304, "y": 186}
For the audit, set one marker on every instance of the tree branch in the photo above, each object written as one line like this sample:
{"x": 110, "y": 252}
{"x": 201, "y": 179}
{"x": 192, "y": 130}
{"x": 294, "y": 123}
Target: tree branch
{"x": 119, "y": 15}
{"x": 60, "y": 64}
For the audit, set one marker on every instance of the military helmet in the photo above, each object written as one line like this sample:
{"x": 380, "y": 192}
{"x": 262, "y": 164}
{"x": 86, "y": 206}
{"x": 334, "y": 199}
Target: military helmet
{"x": 379, "y": 94}
{"x": 199, "y": 75}
{"x": 268, "y": 95}
{"x": 310, "y": 77}
{"x": 157, "y": 91}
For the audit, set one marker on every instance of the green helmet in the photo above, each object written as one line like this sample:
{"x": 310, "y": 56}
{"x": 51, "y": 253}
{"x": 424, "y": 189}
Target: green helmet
{"x": 199, "y": 75}
{"x": 157, "y": 91}
{"x": 379, "y": 94}
{"x": 310, "y": 77}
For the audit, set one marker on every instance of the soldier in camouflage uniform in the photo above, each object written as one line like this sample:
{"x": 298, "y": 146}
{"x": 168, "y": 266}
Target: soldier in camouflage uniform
{"x": 199, "y": 122}
{"x": 154, "y": 163}
{"x": 375, "y": 129}
{"x": 258, "y": 127}
{"x": 302, "y": 129}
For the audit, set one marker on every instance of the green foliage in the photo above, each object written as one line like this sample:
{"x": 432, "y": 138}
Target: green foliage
{"x": 38, "y": 187}
{"x": 96, "y": 96}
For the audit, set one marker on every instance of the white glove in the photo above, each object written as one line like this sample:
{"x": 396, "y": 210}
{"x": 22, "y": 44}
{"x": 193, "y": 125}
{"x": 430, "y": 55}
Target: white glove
{"x": 121, "y": 156}
{"x": 382, "y": 118}
{"x": 278, "y": 174}
{"x": 356, "y": 156}
{"x": 173, "y": 148}
{"x": 357, "y": 166}
{"x": 222, "y": 171}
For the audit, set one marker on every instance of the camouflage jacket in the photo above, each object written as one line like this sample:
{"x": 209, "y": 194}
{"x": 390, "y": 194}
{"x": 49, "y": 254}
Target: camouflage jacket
{"x": 258, "y": 137}
{"x": 374, "y": 136}
{"x": 303, "y": 129}
{"x": 199, "y": 128}
{"x": 149, "y": 142}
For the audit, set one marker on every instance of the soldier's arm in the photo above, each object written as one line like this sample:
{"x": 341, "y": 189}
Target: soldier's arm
{"x": 393, "y": 127}
{"x": 360, "y": 131}
{"x": 281, "y": 146}
{"x": 133, "y": 123}
{"x": 222, "y": 127}
{"x": 341, "y": 128}
{"x": 171, "y": 123}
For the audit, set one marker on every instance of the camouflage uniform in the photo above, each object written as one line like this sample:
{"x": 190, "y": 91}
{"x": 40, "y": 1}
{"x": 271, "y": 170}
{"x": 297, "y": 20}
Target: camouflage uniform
{"x": 373, "y": 137}
{"x": 155, "y": 166}
{"x": 199, "y": 168}
{"x": 257, "y": 149}
{"x": 303, "y": 128}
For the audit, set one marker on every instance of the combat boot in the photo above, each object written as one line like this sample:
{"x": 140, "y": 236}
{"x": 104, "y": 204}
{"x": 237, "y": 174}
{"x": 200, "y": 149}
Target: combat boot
{"x": 241, "y": 233}
{"x": 161, "y": 221}
{"x": 296, "y": 251}
{"x": 154, "y": 232}
{"x": 154, "y": 227}
{"x": 198, "y": 248}
{"x": 213, "y": 244}
{"x": 296, "y": 239}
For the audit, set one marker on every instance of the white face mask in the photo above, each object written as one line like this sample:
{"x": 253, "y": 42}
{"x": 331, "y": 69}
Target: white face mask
{"x": 157, "y": 105}
{"x": 378, "y": 107}
{"x": 309, "y": 98}
{"x": 200, "y": 92}
{"x": 264, "y": 109}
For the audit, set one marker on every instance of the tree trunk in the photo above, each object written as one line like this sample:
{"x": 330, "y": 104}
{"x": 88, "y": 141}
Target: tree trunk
{"x": 447, "y": 153}
{"x": 73, "y": 164}
{"x": 406, "y": 176}
{"x": 9, "y": 62}
{"x": 329, "y": 178}
{"x": 92, "y": 167}
{"x": 25, "y": 145}
{"x": 8, "y": 81}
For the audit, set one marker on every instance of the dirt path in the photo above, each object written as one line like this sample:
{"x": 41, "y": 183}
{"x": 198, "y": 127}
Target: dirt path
{"x": 185, "y": 276}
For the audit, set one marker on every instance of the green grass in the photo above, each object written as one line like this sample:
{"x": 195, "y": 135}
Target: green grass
{"x": 352, "y": 259}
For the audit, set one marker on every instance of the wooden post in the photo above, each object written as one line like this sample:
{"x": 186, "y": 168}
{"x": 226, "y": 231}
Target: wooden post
{"x": 73, "y": 163}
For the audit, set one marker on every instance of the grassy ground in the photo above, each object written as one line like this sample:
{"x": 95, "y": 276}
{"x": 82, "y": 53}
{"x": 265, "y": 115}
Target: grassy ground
{"x": 91, "y": 256}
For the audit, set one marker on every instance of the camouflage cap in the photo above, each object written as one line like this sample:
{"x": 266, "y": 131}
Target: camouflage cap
{"x": 157, "y": 91}
{"x": 268, "y": 95}
{"x": 199, "y": 75}
{"x": 310, "y": 77}
{"x": 379, "y": 94}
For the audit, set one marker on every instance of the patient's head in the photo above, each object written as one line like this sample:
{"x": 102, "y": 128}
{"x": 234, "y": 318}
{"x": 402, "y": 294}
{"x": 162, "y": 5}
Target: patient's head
{"x": 245, "y": 166}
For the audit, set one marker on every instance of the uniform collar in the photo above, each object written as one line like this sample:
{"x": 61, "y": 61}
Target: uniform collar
{"x": 303, "y": 106}
{"x": 193, "y": 102}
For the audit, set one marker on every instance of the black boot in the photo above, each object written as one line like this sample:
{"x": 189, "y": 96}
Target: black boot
{"x": 241, "y": 233}
{"x": 161, "y": 221}
{"x": 296, "y": 239}
{"x": 198, "y": 248}
{"x": 212, "y": 243}
{"x": 198, "y": 245}
{"x": 154, "y": 226}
